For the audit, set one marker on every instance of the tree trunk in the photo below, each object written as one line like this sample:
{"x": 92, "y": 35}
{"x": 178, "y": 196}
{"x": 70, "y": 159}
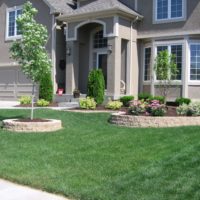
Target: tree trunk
{"x": 32, "y": 102}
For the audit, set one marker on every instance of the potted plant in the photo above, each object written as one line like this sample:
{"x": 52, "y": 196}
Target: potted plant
{"x": 76, "y": 93}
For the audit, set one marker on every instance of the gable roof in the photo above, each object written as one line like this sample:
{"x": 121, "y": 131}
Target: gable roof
{"x": 101, "y": 5}
{"x": 63, "y": 6}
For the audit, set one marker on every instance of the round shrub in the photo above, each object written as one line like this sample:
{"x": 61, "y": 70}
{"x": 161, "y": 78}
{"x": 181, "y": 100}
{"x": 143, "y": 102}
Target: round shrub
{"x": 144, "y": 96}
{"x": 87, "y": 103}
{"x": 46, "y": 88}
{"x": 181, "y": 101}
{"x": 161, "y": 99}
{"x": 96, "y": 85}
{"x": 42, "y": 103}
{"x": 24, "y": 100}
{"x": 114, "y": 105}
{"x": 126, "y": 99}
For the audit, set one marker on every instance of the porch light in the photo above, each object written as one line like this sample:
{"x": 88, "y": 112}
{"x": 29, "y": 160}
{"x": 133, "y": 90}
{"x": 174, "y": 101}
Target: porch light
{"x": 109, "y": 48}
{"x": 68, "y": 51}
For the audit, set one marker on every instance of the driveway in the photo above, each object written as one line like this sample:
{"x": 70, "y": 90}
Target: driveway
{"x": 8, "y": 104}
{"x": 11, "y": 191}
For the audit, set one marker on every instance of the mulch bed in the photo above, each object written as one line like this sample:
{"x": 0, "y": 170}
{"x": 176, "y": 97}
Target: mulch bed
{"x": 171, "y": 110}
{"x": 34, "y": 120}
{"x": 54, "y": 104}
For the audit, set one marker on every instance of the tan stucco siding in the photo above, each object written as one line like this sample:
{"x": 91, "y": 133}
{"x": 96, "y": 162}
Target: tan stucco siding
{"x": 43, "y": 17}
{"x": 148, "y": 27}
{"x": 194, "y": 92}
{"x": 73, "y": 27}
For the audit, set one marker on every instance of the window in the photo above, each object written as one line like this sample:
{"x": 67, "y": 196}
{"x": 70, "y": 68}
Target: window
{"x": 147, "y": 64}
{"x": 12, "y": 29}
{"x": 177, "y": 51}
{"x": 195, "y": 62}
{"x": 169, "y": 9}
{"x": 99, "y": 40}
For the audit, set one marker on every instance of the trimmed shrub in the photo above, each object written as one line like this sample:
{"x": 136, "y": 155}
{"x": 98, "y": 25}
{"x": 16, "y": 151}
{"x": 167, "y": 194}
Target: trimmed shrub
{"x": 144, "y": 96}
{"x": 24, "y": 100}
{"x": 193, "y": 109}
{"x": 42, "y": 103}
{"x": 87, "y": 103}
{"x": 161, "y": 99}
{"x": 46, "y": 88}
{"x": 96, "y": 85}
{"x": 114, "y": 105}
{"x": 126, "y": 100}
{"x": 181, "y": 101}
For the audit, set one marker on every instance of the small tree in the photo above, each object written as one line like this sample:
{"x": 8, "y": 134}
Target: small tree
{"x": 96, "y": 85}
{"x": 30, "y": 50}
{"x": 166, "y": 71}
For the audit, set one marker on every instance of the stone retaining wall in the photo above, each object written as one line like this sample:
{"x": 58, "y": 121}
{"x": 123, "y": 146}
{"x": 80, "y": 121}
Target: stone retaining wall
{"x": 146, "y": 121}
{"x": 46, "y": 126}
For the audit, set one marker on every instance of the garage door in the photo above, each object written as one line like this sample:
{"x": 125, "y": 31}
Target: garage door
{"x": 13, "y": 83}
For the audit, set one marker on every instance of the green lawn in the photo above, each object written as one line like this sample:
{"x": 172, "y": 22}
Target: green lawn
{"x": 92, "y": 160}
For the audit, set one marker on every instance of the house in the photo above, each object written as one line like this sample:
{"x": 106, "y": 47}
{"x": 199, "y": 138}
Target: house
{"x": 122, "y": 37}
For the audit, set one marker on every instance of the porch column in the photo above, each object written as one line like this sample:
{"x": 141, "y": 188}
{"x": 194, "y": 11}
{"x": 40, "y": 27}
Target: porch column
{"x": 134, "y": 70}
{"x": 114, "y": 68}
{"x": 72, "y": 66}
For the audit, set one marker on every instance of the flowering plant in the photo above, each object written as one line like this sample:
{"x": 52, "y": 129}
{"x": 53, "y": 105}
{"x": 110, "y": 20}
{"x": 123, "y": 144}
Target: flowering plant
{"x": 137, "y": 107}
{"x": 156, "y": 109}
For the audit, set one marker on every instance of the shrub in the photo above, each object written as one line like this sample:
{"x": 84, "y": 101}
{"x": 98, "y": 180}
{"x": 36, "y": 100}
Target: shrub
{"x": 189, "y": 110}
{"x": 181, "y": 101}
{"x": 96, "y": 85}
{"x": 126, "y": 99}
{"x": 46, "y": 88}
{"x": 144, "y": 96}
{"x": 42, "y": 103}
{"x": 137, "y": 107}
{"x": 161, "y": 99}
{"x": 87, "y": 103}
{"x": 155, "y": 108}
{"x": 25, "y": 100}
{"x": 114, "y": 105}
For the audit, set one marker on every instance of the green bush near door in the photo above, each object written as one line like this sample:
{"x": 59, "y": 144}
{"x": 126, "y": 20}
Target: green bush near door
{"x": 96, "y": 85}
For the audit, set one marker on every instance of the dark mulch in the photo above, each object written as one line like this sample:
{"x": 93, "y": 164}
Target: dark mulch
{"x": 54, "y": 104}
{"x": 171, "y": 110}
{"x": 33, "y": 120}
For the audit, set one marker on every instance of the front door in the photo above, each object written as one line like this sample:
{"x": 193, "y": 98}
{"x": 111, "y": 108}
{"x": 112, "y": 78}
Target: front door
{"x": 102, "y": 64}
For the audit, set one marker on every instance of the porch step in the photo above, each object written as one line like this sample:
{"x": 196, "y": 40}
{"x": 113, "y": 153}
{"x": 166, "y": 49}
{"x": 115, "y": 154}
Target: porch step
{"x": 67, "y": 98}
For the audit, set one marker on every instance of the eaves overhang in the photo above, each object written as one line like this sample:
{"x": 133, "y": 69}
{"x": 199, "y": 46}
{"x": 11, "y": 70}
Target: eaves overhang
{"x": 108, "y": 12}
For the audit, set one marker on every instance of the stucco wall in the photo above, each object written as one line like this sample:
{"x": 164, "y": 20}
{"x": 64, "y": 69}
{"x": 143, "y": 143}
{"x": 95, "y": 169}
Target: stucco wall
{"x": 194, "y": 92}
{"x": 146, "y": 26}
{"x": 43, "y": 17}
{"x": 72, "y": 26}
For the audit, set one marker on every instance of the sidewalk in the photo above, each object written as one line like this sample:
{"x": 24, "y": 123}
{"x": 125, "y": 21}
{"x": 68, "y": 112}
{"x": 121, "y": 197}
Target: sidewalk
{"x": 11, "y": 191}
{"x": 13, "y": 104}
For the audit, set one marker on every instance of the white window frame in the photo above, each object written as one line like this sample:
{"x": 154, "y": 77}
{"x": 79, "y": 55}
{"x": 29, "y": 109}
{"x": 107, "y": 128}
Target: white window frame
{"x": 8, "y": 10}
{"x": 143, "y": 74}
{"x": 192, "y": 82}
{"x": 169, "y": 44}
{"x": 169, "y": 18}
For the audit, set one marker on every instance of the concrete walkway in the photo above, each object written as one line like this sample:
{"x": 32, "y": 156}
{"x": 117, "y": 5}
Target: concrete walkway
{"x": 61, "y": 106}
{"x": 11, "y": 191}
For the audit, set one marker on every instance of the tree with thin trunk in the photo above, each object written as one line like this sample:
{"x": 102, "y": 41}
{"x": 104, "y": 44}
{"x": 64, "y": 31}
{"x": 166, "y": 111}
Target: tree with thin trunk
{"x": 166, "y": 71}
{"x": 30, "y": 51}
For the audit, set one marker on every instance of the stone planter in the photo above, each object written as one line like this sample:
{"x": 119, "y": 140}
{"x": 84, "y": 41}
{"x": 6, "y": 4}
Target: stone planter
{"x": 122, "y": 119}
{"x": 47, "y": 125}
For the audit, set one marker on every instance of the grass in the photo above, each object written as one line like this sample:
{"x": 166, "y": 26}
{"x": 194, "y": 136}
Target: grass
{"x": 92, "y": 160}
